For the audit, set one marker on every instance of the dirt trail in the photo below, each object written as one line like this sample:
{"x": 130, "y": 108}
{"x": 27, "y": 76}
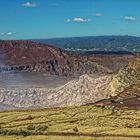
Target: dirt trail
{"x": 91, "y": 135}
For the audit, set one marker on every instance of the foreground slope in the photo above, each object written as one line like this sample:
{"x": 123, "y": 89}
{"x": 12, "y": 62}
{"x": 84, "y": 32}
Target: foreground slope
{"x": 72, "y": 123}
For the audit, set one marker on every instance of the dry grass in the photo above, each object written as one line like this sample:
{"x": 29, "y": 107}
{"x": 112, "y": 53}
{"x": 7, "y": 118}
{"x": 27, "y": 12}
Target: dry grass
{"x": 35, "y": 124}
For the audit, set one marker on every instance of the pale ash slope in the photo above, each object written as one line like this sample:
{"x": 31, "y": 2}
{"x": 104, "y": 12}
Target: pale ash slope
{"x": 74, "y": 93}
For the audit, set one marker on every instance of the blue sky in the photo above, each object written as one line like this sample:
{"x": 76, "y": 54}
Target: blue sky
{"x": 40, "y": 19}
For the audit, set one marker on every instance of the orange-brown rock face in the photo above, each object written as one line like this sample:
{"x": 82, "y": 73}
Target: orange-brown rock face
{"x": 26, "y": 55}
{"x": 34, "y": 57}
{"x": 26, "y": 52}
{"x": 113, "y": 62}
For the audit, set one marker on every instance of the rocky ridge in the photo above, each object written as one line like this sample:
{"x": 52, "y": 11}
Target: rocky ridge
{"x": 74, "y": 93}
{"x": 18, "y": 56}
{"x": 128, "y": 76}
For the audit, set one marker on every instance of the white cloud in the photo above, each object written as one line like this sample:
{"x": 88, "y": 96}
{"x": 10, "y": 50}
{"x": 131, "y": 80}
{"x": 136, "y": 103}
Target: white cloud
{"x": 30, "y": 5}
{"x": 81, "y": 20}
{"x": 9, "y": 33}
{"x": 6, "y": 33}
{"x": 68, "y": 20}
{"x": 98, "y": 14}
{"x": 78, "y": 20}
{"x": 129, "y": 18}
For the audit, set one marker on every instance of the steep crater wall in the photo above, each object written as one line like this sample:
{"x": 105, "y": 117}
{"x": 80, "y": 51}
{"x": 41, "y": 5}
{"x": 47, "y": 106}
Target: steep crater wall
{"x": 74, "y": 93}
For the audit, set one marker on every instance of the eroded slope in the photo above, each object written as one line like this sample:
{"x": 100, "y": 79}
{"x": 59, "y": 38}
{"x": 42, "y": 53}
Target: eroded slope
{"x": 130, "y": 75}
{"x": 74, "y": 93}
{"x": 18, "y": 56}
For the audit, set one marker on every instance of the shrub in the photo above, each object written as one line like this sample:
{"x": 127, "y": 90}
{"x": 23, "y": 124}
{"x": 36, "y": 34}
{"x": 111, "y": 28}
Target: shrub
{"x": 75, "y": 129}
{"x": 31, "y": 127}
{"x": 24, "y": 133}
{"x": 42, "y": 128}
{"x": 29, "y": 117}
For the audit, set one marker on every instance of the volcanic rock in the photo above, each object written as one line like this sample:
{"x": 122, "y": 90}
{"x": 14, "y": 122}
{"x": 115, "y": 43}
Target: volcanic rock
{"x": 18, "y": 56}
{"x": 74, "y": 93}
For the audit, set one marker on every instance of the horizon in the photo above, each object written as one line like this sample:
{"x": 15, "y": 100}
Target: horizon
{"x": 47, "y": 19}
{"x": 70, "y": 37}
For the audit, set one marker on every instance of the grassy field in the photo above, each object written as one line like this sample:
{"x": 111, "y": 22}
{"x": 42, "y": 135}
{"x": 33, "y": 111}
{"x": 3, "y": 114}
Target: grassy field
{"x": 72, "y": 123}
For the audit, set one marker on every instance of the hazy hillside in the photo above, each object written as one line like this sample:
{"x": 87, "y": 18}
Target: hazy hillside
{"x": 97, "y": 43}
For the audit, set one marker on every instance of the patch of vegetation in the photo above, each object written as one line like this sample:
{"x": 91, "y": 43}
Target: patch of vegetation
{"x": 75, "y": 129}
{"x": 29, "y": 117}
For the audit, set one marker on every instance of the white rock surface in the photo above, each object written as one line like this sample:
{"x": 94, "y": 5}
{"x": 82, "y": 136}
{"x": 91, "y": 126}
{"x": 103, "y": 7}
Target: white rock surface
{"x": 74, "y": 93}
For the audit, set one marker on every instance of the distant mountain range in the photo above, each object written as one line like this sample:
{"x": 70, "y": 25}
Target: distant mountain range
{"x": 96, "y": 43}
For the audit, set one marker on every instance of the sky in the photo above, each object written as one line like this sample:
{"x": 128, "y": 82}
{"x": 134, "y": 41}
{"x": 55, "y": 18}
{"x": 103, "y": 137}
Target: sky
{"x": 42, "y": 19}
